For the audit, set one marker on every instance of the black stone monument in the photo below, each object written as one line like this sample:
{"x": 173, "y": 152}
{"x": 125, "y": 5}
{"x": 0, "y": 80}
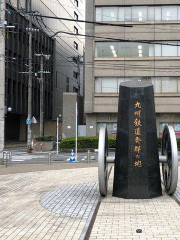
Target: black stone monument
{"x": 136, "y": 172}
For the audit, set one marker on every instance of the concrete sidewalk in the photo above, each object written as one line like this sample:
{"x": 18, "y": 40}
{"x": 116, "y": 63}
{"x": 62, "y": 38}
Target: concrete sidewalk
{"x": 158, "y": 218}
{"x": 58, "y": 204}
{"x": 52, "y": 205}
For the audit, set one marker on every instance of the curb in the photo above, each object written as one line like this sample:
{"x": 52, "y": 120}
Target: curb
{"x": 90, "y": 222}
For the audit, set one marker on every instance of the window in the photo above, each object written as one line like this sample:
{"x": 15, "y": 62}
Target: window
{"x": 75, "y": 75}
{"x": 109, "y": 85}
{"x": 99, "y": 14}
{"x": 76, "y": 3}
{"x": 169, "y": 50}
{"x": 151, "y": 13}
{"x": 75, "y": 89}
{"x": 161, "y": 84}
{"x": 169, "y": 13}
{"x": 110, "y": 14}
{"x": 121, "y": 14}
{"x": 111, "y": 127}
{"x": 75, "y": 16}
{"x": 75, "y": 45}
{"x": 133, "y": 49}
{"x": 75, "y": 30}
{"x": 138, "y": 13}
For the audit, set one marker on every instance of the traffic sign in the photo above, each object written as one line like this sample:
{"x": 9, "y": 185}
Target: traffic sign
{"x": 33, "y": 120}
{"x": 28, "y": 121}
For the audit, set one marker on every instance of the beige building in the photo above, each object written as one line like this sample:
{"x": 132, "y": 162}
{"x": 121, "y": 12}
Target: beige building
{"x": 152, "y": 27}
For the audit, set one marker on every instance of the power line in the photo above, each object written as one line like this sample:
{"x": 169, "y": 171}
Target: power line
{"x": 76, "y": 20}
{"x": 116, "y": 39}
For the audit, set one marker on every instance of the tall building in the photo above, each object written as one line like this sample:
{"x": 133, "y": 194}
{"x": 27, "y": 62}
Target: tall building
{"x": 16, "y": 76}
{"x": 64, "y": 65}
{"x": 69, "y": 49}
{"x": 141, "y": 50}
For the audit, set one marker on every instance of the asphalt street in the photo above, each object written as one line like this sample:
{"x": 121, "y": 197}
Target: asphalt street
{"x": 20, "y": 156}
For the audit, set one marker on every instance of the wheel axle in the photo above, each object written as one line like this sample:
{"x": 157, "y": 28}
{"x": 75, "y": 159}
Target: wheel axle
{"x": 169, "y": 160}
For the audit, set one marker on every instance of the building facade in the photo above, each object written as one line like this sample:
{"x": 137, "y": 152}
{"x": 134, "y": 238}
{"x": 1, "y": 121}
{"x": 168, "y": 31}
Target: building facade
{"x": 146, "y": 48}
{"x": 69, "y": 49}
{"x": 65, "y": 64}
{"x": 16, "y": 75}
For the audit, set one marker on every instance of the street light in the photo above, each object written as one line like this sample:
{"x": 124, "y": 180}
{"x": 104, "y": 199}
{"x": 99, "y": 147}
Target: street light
{"x": 57, "y": 137}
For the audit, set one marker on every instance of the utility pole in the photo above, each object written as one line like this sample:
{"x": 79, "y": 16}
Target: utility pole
{"x": 29, "y": 132}
{"x": 77, "y": 60}
{"x": 78, "y": 67}
{"x": 2, "y": 72}
{"x": 41, "y": 99}
{"x": 42, "y": 56}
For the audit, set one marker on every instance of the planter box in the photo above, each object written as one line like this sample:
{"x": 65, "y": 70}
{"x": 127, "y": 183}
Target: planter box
{"x": 44, "y": 146}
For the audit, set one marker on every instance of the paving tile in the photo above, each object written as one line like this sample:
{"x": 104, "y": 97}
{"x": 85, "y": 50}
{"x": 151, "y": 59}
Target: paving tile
{"x": 119, "y": 218}
{"x": 47, "y": 205}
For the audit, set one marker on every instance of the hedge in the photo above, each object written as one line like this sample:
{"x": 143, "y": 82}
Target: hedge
{"x": 92, "y": 142}
{"x": 45, "y": 138}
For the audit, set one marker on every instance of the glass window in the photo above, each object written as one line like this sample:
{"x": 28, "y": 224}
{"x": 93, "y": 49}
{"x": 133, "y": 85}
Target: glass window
{"x": 76, "y": 3}
{"x": 179, "y": 13}
{"x": 178, "y": 83}
{"x": 97, "y": 85}
{"x": 121, "y": 49}
{"x": 109, "y": 49}
{"x": 121, "y": 14}
{"x": 170, "y": 51}
{"x": 128, "y": 50}
{"x": 151, "y": 50}
{"x": 128, "y": 14}
{"x": 158, "y": 13}
{"x": 169, "y": 85}
{"x": 110, "y": 13}
{"x": 135, "y": 50}
{"x": 98, "y": 14}
{"x": 98, "y": 49}
{"x": 75, "y": 45}
{"x": 120, "y": 80}
{"x": 151, "y": 13}
{"x": 157, "y": 84}
{"x": 169, "y": 13}
{"x": 75, "y": 15}
{"x": 139, "y": 13}
{"x": 177, "y": 127}
{"x": 109, "y": 85}
{"x": 178, "y": 49}
{"x": 145, "y": 50}
{"x": 157, "y": 50}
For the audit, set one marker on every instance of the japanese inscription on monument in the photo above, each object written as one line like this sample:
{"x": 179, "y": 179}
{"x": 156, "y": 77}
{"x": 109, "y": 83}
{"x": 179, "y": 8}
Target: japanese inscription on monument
{"x": 137, "y": 132}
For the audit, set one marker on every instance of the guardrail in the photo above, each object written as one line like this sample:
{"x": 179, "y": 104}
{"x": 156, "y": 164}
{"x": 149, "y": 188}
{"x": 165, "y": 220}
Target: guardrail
{"x": 7, "y": 157}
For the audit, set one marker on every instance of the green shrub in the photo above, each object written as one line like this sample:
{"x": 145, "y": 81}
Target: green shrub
{"x": 45, "y": 138}
{"x": 92, "y": 142}
{"x": 83, "y": 142}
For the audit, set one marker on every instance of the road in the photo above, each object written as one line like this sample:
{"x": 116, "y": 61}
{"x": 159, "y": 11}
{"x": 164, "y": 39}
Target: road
{"x": 20, "y": 156}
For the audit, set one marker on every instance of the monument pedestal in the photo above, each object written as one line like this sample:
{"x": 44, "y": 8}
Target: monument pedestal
{"x": 136, "y": 171}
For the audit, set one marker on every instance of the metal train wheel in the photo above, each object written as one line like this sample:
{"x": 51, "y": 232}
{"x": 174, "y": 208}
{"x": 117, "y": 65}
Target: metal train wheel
{"x": 102, "y": 155}
{"x": 170, "y": 168}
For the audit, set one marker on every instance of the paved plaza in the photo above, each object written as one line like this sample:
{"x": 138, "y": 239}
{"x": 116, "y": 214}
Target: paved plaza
{"x": 59, "y": 204}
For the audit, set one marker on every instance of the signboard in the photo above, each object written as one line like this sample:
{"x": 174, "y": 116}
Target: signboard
{"x": 28, "y": 121}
